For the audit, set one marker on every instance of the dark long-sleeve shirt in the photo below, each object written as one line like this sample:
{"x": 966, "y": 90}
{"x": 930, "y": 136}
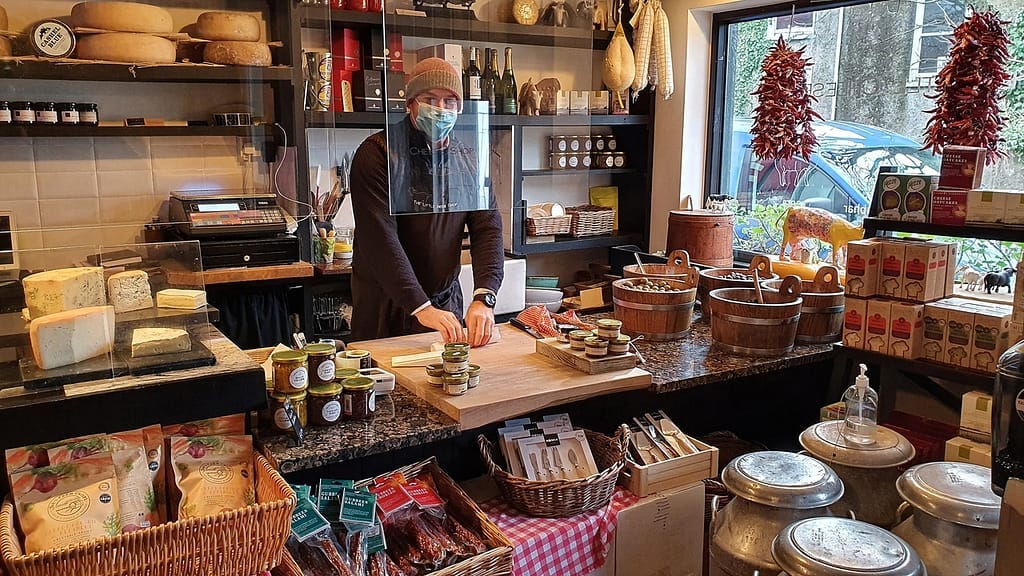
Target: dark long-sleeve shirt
{"x": 403, "y": 261}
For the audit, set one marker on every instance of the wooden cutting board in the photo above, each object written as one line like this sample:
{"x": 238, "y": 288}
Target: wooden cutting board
{"x": 514, "y": 379}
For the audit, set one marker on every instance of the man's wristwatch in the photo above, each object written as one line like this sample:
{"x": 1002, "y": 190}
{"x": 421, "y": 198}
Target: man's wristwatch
{"x": 487, "y": 298}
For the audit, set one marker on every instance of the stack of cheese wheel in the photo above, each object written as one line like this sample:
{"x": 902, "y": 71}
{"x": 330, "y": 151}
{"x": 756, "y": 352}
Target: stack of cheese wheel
{"x": 5, "y": 44}
{"x": 129, "y": 32}
{"x": 234, "y": 39}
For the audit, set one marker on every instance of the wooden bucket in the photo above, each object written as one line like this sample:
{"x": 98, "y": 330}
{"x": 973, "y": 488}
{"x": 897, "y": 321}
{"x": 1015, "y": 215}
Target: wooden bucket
{"x": 714, "y": 279}
{"x": 821, "y": 316}
{"x": 656, "y": 315}
{"x": 678, "y": 268}
{"x": 741, "y": 325}
{"x": 706, "y": 234}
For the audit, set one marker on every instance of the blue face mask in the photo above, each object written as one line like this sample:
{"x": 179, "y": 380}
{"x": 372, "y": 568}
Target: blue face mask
{"x": 434, "y": 121}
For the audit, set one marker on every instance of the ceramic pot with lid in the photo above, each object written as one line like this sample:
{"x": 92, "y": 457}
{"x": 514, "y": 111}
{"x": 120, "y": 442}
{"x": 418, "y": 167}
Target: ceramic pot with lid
{"x": 869, "y": 472}
{"x": 843, "y": 547}
{"x": 955, "y": 517}
{"x": 773, "y": 490}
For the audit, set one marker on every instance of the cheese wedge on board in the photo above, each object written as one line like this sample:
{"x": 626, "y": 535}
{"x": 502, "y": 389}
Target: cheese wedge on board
{"x": 72, "y": 336}
{"x": 157, "y": 341}
{"x": 180, "y": 299}
{"x": 64, "y": 289}
{"x": 129, "y": 291}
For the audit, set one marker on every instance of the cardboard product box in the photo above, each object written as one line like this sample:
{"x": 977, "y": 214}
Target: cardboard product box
{"x": 395, "y": 53}
{"x": 906, "y": 330}
{"x": 662, "y": 535}
{"x": 876, "y": 326}
{"x": 962, "y": 167}
{"x": 834, "y": 411}
{"x": 933, "y": 334}
{"x": 986, "y": 206}
{"x": 1009, "y": 552}
{"x": 905, "y": 196}
{"x": 976, "y": 413}
{"x": 599, "y": 102}
{"x": 862, "y": 258}
{"x": 890, "y": 269}
{"x": 854, "y": 321}
{"x": 924, "y": 280}
{"x": 368, "y": 91}
{"x": 375, "y": 52}
{"x": 452, "y": 53}
{"x": 619, "y": 106}
{"x": 346, "y": 50}
{"x": 394, "y": 90}
{"x": 579, "y": 103}
{"x": 949, "y": 207}
{"x": 952, "y": 256}
{"x": 959, "y": 336}
{"x": 342, "y": 91}
{"x": 991, "y": 337}
{"x": 1013, "y": 210}
{"x": 959, "y": 449}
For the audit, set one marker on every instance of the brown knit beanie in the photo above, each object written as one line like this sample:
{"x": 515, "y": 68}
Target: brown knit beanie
{"x": 433, "y": 73}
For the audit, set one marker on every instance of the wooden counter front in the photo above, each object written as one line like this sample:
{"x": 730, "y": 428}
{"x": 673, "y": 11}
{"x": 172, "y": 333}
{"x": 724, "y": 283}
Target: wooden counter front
{"x": 514, "y": 379}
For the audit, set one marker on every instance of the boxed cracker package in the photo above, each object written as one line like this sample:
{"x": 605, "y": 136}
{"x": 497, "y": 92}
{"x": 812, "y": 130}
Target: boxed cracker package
{"x": 905, "y": 197}
{"x": 862, "y": 258}
{"x": 854, "y": 319}
{"x": 906, "y": 329}
{"x": 962, "y": 167}
{"x": 876, "y": 326}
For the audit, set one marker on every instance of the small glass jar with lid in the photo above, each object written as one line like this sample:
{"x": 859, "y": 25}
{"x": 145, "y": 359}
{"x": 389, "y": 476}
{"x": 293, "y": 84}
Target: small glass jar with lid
{"x": 578, "y": 338}
{"x": 291, "y": 373}
{"x": 88, "y": 113}
{"x": 22, "y": 113}
{"x": 456, "y": 384}
{"x": 457, "y": 346}
{"x": 277, "y": 402}
{"x": 67, "y": 113}
{"x": 46, "y": 112}
{"x": 455, "y": 361}
{"x": 5, "y": 112}
{"x": 320, "y": 359}
{"x": 323, "y": 405}
{"x": 596, "y": 347}
{"x": 435, "y": 374}
{"x": 358, "y": 398}
{"x": 619, "y": 345}
{"x": 342, "y": 374}
{"x": 609, "y": 328}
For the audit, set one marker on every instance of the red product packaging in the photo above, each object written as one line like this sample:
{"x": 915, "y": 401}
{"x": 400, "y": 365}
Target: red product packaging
{"x": 345, "y": 47}
{"x": 962, "y": 167}
{"x": 395, "y": 53}
{"x": 949, "y": 207}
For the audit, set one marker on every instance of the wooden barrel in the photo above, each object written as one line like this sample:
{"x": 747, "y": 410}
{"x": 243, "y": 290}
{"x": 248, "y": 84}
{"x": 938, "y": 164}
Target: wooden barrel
{"x": 716, "y": 278}
{"x": 656, "y": 315}
{"x": 678, "y": 268}
{"x": 707, "y": 235}
{"x": 821, "y": 316}
{"x": 741, "y": 325}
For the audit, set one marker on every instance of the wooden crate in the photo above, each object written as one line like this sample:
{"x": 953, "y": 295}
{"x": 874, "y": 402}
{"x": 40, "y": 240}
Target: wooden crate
{"x": 644, "y": 480}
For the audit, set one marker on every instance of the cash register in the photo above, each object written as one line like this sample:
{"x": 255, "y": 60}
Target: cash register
{"x": 234, "y": 228}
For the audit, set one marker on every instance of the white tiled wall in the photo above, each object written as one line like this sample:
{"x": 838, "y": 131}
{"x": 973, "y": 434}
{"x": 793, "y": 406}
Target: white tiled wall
{"x": 75, "y": 191}
{"x": 326, "y": 149}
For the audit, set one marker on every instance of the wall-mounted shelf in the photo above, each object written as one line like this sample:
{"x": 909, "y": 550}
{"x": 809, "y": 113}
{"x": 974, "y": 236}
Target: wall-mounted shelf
{"x": 1001, "y": 232}
{"x": 570, "y": 172}
{"x": 74, "y": 131}
{"x": 564, "y": 244}
{"x": 34, "y": 69}
{"x": 377, "y": 119}
{"x": 452, "y": 29}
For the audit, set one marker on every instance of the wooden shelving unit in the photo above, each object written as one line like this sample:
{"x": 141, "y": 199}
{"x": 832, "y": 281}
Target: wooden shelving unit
{"x": 80, "y": 131}
{"x": 377, "y": 120}
{"x": 34, "y": 69}
{"x": 564, "y": 244}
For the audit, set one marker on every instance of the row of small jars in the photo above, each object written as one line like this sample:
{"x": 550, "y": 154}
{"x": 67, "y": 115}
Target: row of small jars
{"x": 24, "y": 113}
{"x": 608, "y": 339}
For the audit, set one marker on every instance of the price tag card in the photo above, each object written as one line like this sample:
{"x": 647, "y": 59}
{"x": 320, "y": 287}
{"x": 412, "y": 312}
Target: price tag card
{"x": 391, "y": 498}
{"x": 423, "y": 495}
{"x": 306, "y": 521}
{"x": 327, "y": 497}
{"x": 357, "y": 508}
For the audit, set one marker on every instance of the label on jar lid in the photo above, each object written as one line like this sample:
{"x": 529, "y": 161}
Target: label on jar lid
{"x": 52, "y": 38}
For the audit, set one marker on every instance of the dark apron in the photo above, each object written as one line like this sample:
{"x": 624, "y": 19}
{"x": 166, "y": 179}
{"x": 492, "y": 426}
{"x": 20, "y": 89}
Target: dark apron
{"x": 390, "y": 319}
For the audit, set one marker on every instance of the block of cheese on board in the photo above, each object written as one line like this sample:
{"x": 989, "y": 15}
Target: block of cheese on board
{"x": 64, "y": 289}
{"x": 157, "y": 341}
{"x": 126, "y": 47}
{"x": 234, "y": 26}
{"x": 129, "y": 291}
{"x": 237, "y": 53}
{"x": 72, "y": 336}
{"x": 122, "y": 17}
{"x": 180, "y": 299}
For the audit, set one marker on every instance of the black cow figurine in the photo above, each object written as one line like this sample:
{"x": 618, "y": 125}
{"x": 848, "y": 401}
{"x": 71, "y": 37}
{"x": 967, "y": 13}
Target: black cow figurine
{"x": 999, "y": 279}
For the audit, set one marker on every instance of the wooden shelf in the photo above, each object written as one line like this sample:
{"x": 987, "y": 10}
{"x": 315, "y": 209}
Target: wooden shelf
{"x": 564, "y": 244}
{"x": 213, "y": 276}
{"x": 1001, "y": 232}
{"x": 377, "y": 119}
{"x": 73, "y": 131}
{"x": 584, "y": 172}
{"x": 36, "y": 69}
{"x": 972, "y": 378}
{"x": 453, "y": 29}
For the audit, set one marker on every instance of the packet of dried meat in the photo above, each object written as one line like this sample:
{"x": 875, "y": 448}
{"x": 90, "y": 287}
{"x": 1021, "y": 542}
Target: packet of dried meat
{"x": 67, "y": 504}
{"x": 213, "y": 473}
{"x": 466, "y": 543}
{"x": 380, "y": 564}
{"x": 153, "y": 440}
{"x": 321, "y": 554}
{"x": 432, "y": 545}
{"x": 354, "y": 544}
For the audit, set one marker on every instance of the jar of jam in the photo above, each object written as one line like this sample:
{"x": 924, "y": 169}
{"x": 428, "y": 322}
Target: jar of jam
{"x": 575, "y": 143}
{"x": 22, "y": 113}
{"x": 574, "y": 161}
{"x": 585, "y": 160}
{"x": 599, "y": 143}
{"x": 611, "y": 143}
{"x": 604, "y": 160}
{"x": 324, "y": 404}
{"x": 68, "y": 112}
{"x": 619, "y": 159}
{"x": 588, "y": 143}
{"x": 455, "y": 361}
{"x": 474, "y": 376}
{"x": 281, "y": 421}
{"x": 358, "y": 398}
{"x": 291, "y": 373}
{"x": 559, "y": 144}
{"x": 320, "y": 358}
{"x": 46, "y": 112}
{"x": 88, "y": 113}
{"x": 456, "y": 384}
{"x": 5, "y": 112}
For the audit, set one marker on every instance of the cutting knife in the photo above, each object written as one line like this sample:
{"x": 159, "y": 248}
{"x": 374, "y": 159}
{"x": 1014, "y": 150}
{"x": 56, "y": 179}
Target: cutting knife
{"x": 522, "y": 326}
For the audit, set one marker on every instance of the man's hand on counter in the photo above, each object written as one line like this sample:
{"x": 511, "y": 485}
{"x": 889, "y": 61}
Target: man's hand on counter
{"x": 446, "y": 323}
{"x": 480, "y": 323}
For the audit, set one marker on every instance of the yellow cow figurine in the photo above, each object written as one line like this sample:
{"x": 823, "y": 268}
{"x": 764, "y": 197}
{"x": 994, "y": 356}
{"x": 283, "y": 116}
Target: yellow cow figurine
{"x": 802, "y": 222}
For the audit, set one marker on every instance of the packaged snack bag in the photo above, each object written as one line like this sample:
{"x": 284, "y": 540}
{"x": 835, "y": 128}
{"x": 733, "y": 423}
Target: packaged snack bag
{"x": 135, "y": 493}
{"x": 153, "y": 440}
{"x": 213, "y": 473}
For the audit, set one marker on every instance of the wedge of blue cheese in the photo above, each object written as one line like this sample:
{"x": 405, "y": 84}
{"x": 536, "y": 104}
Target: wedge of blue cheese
{"x": 129, "y": 291}
{"x": 71, "y": 336}
{"x": 159, "y": 341}
{"x": 64, "y": 289}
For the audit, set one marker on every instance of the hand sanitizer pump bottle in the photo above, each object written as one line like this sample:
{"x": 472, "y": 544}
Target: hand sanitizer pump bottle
{"x": 861, "y": 411}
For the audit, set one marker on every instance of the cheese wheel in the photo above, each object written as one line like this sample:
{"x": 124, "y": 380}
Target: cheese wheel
{"x": 122, "y": 17}
{"x": 5, "y": 48}
{"x": 233, "y": 26}
{"x": 3, "y": 18}
{"x": 124, "y": 47}
{"x": 237, "y": 53}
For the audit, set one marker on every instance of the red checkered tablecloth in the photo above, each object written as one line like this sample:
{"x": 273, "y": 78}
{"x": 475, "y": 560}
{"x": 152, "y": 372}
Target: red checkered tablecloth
{"x": 574, "y": 546}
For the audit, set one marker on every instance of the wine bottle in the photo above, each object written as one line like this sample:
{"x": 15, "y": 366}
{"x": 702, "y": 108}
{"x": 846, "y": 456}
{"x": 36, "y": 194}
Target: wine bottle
{"x": 489, "y": 81}
{"x": 509, "y": 88}
{"x": 473, "y": 88}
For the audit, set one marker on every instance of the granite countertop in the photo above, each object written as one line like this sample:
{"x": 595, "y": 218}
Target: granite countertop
{"x": 693, "y": 361}
{"x": 401, "y": 420}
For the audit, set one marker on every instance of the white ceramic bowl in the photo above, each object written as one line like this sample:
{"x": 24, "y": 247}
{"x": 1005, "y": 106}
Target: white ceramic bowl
{"x": 549, "y": 298}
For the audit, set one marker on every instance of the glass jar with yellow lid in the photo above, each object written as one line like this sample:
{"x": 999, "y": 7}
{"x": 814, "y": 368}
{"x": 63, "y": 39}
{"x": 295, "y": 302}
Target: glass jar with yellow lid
{"x": 342, "y": 374}
{"x": 358, "y": 398}
{"x": 321, "y": 363}
{"x": 323, "y": 405}
{"x": 291, "y": 373}
{"x": 277, "y": 404}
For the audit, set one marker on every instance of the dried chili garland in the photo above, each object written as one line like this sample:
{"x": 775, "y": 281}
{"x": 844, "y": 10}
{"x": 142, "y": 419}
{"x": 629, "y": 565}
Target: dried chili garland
{"x": 966, "y": 109}
{"x": 782, "y": 120}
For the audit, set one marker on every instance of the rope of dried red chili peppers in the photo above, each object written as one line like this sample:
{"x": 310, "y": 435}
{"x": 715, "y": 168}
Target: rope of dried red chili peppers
{"x": 966, "y": 109}
{"x": 782, "y": 120}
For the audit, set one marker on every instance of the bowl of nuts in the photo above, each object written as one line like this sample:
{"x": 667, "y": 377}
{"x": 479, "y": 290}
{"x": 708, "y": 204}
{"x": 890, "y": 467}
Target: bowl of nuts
{"x": 716, "y": 278}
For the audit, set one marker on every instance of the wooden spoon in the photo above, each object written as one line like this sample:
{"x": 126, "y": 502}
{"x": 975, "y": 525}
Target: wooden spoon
{"x": 757, "y": 287}
{"x": 639, "y": 263}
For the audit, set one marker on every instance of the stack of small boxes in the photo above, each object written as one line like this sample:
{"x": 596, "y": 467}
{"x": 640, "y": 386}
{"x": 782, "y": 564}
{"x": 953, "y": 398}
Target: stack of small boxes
{"x": 359, "y": 72}
{"x": 974, "y": 443}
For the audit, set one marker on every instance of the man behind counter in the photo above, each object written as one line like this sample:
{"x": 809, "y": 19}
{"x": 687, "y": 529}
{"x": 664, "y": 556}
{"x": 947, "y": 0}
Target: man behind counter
{"x": 405, "y": 270}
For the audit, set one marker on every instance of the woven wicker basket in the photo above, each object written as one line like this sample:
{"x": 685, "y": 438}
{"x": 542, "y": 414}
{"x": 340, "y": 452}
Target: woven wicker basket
{"x": 548, "y": 225}
{"x": 590, "y": 220}
{"x": 237, "y": 543}
{"x": 560, "y": 498}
